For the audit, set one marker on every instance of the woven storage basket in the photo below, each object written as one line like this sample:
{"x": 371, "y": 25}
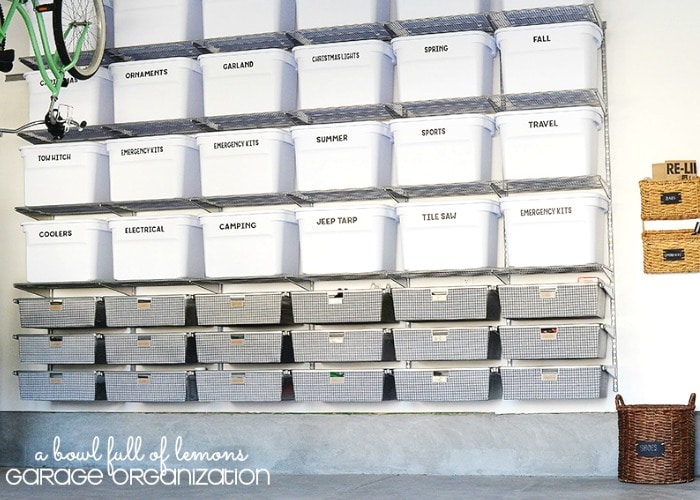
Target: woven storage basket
{"x": 670, "y": 199}
{"x": 656, "y": 442}
{"x": 671, "y": 251}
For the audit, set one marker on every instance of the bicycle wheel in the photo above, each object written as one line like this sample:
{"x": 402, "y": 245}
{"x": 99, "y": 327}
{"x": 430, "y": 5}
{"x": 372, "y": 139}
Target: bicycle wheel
{"x": 70, "y": 17}
{"x": 2, "y": 21}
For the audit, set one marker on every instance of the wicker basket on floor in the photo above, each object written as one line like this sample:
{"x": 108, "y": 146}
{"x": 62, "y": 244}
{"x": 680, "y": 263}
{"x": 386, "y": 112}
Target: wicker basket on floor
{"x": 656, "y": 442}
{"x": 670, "y": 199}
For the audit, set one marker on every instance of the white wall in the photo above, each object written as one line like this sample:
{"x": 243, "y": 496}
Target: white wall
{"x": 652, "y": 74}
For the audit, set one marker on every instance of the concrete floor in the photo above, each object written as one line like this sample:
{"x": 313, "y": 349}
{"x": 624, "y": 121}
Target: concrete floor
{"x": 369, "y": 486}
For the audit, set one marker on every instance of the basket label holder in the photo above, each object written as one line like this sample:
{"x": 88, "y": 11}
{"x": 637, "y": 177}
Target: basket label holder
{"x": 650, "y": 448}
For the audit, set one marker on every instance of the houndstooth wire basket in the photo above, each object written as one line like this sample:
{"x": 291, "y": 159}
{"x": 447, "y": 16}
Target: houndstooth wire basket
{"x": 243, "y": 309}
{"x": 145, "y": 349}
{"x": 239, "y": 347}
{"x": 225, "y": 385}
{"x": 443, "y": 344}
{"x": 342, "y": 306}
{"x": 567, "y": 300}
{"x": 150, "y": 387}
{"x": 339, "y": 345}
{"x": 66, "y": 349}
{"x": 445, "y": 304}
{"x": 156, "y": 310}
{"x": 57, "y": 386}
{"x": 467, "y": 384}
{"x": 582, "y": 341}
{"x": 358, "y": 386}
{"x": 69, "y": 312}
{"x": 580, "y": 382}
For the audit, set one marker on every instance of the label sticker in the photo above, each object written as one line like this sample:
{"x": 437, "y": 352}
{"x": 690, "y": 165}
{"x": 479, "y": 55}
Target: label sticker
{"x": 143, "y": 379}
{"x": 439, "y": 335}
{"x": 56, "y": 378}
{"x": 438, "y": 295}
{"x": 549, "y": 375}
{"x": 673, "y": 198}
{"x": 336, "y": 337}
{"x": 237, "y": 378}
{"x": 56, "y": 305}
{"x": 650, "y": 449}
{"x": 55, "y": 342}
{"x": 673, "y": 254}
{"x": 439, "y": 378}
{"x": 237, "y": 301}
{"x": 548, "y": 333}
{"x": 143, "y": 341}
{"x": 337, "y": 377}
{"x": 143, "y": 303}
{"x": 548, "y": 292}
{"x": 237, "y": 339}
{"x": 335, "y": 298}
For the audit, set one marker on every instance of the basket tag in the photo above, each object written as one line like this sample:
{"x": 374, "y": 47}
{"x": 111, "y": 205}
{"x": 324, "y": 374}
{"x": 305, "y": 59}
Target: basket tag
{"x": 438, "y": 295}
{"x": 549, "y": 375}
{"x": 336, "y": 337}
{"x": 237, "y": 378}
{"x": 143, "y": 341}
{"x": 143, "y": 303}
{"x": 650, "y": 449}
{"x": 55, "y": 342}
{"x": 143, "y": 379}
{"x": 548, "y": 333}
{"x": 439, "y": 378}
{"x": 56, "y": 378}
{"x": 674, "y": 254}
{"x": 237, "y": 301}
{"x": 439, "y": 335}
{"x": 548, "y": 292}
{"x": 335, "y": 298}
{"x": 237, "y": 339}
{"x": 56, "y": 305}
{"x": 337, "y": 378}
{"x": 673, "y": 198}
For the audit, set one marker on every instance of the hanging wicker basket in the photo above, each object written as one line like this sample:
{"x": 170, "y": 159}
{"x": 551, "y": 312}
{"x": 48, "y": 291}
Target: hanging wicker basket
{"x": 670, "y": 199}
{"x": 656, "y": 442}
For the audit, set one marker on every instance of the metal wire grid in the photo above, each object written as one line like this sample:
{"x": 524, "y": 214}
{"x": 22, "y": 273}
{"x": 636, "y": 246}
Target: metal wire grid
{"x": 458, "y": 303}
{"x": 57, "y": 349}
{"x": 141, "y": 349}
{"x": 553, "y": 342}
{"x": 257, "y": 386}
{"x": 243, "y": 309}
{"x": 71, "y": 312}
{"x": 239, "y": 347}
{"x": 552, "y": 383}
{"x": 338, "y": 387}
{"x": 577, "y": 300}
{"x": 57, "y": 386}
{"x": 345, "y": 345}
{"x": 448, "y": 344}
{"x": 169, "y": 387}
{"x": 348, "y": 306}
{"x": 470, "y": 384}
{"x": 157, "y": 310}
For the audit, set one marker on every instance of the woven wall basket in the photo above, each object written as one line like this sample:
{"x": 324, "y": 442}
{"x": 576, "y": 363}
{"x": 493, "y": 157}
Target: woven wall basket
{"x": 670, "y": 199}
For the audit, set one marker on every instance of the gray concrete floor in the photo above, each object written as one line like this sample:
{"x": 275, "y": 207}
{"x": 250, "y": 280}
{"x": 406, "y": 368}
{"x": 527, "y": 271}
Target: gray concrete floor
{"x": 370, "y": 486}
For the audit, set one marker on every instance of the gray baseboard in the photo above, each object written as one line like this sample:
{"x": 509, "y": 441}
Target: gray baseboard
{"x": 576, "y": 444}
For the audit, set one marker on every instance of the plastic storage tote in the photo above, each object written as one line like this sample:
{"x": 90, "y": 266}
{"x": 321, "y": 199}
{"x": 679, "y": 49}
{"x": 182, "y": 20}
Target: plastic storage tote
{"x": 227, "y": 18}
{"x": 142, "y": 23}
{"x": 326, "y": 13}
{"x": 419, "y": 9}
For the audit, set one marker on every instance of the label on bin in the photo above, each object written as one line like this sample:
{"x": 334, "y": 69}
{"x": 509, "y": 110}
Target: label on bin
{"x": 548, "y": 333}
{"x": 237, "y": 339}
{"x": 549, "y": 375}
{"x": 673, "y": 198}
{"x": 439, "y": 378}
{"x": 650, "y": 449}
{"x": 237, "y": 378}
{"x": 56, "y": 305}
{"x": 673, "y": 254}
{"x": 56, "y": 378}
{"x": 336, "y": 377}
{"x": 55, "y": 342}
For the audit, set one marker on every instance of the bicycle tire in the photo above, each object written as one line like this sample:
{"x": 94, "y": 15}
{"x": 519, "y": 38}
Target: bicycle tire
{"x": 67, "y": 13}
{"x": 2, "y": 21}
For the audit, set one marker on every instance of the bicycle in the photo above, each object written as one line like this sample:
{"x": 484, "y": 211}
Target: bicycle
{"x": 79, "y": 34}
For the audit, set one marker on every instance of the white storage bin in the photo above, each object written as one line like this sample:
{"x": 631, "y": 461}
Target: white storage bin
{"x": 65, "y": 251}
{"x": 449, "y": 235}
{"x": 157, "y": 89}
{"x": 442, "y": 149}
{"x": 153, "y": 248}
{"x": 153, "y": 168}
{"x": 445, "y": 65}
{"x": 226, "y": 18}
{"x": 344, "y": 73}
{"x": 537, "y": 4}
{"x": 92, "y": 100}
{"x": 157, "y": 21}
{"x": 323, "y": 13}
{"x": 342, "y": 155}
{"x": 419, "y": 9}
{"x": 347, "y": 239}
{"x": 250, "y": 81}
{"x": 555, "y": 230}
{"x": 255, "y": 243}
{"x": 549, "y": 57}
{"x": 549, "y": 142}
{"x": 64, "y": 174}
{"x": 246, "y": 162}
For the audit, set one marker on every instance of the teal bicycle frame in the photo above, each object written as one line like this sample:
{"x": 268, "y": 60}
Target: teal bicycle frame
{"x": 46, "y": 60}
